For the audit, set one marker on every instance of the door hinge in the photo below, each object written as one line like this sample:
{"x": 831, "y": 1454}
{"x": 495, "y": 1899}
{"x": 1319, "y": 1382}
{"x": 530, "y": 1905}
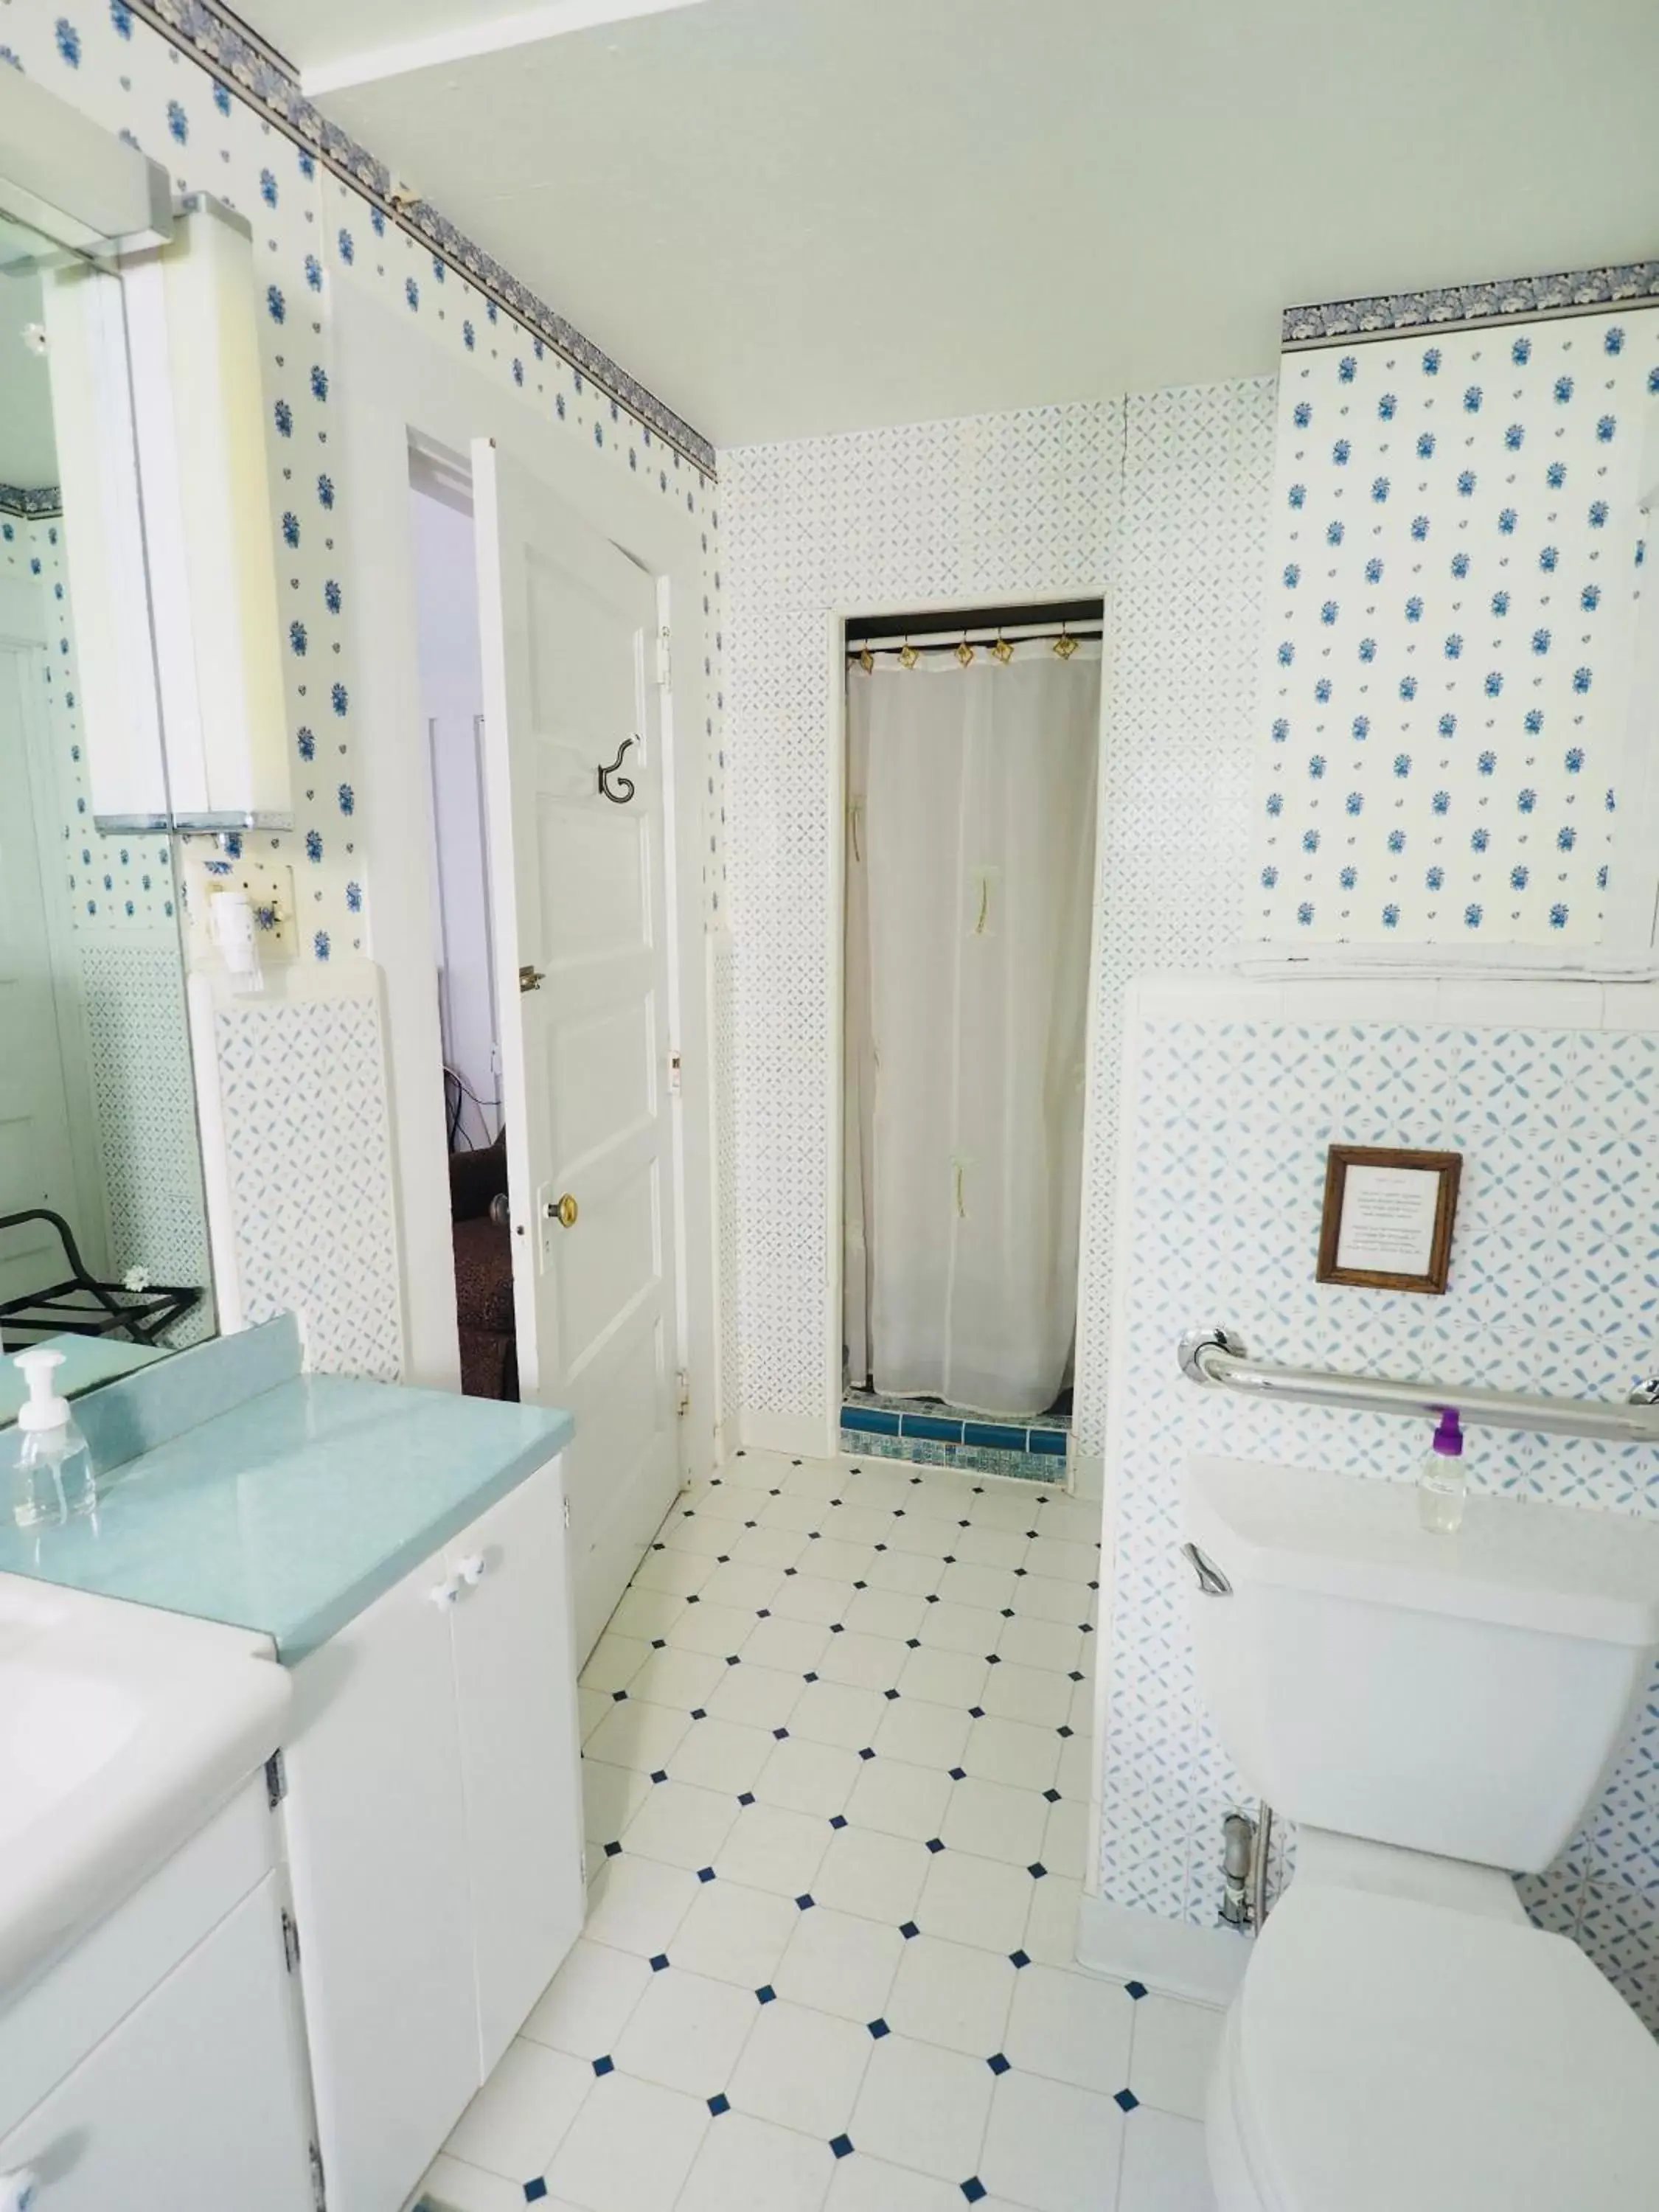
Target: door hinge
{"x": 276, "y": 1779}
{"x": 290, "y": 1941}
{"x": 665, "y": 659}
{"x": 566, "y": 1503}
{"x": 531, "y": 978}
{"x": 674, "y": 1074}
{"x": 319, "y": 2186}
{"x": 684, "y": 1380}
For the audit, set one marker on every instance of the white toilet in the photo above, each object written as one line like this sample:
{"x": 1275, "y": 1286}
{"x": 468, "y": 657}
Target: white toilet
{"x": 1434, "y": 1713}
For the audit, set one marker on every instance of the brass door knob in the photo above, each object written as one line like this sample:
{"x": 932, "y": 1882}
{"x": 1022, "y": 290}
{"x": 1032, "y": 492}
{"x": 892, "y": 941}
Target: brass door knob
{"x": 563, "y": 1211}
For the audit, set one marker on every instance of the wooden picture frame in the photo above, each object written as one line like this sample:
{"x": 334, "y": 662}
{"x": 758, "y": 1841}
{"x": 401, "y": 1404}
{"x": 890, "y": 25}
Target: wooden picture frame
{"x": 1379, "y": 1219}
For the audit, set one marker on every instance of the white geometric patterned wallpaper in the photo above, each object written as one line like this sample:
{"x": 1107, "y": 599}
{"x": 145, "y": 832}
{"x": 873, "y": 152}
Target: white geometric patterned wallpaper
{"x": 1456, "y": 572}
{"x": 1554, "y": 1287}
{"x": 138, "y": 1041}
{"x": 1034, "y": 501}
{"x": 302, "y": 1091}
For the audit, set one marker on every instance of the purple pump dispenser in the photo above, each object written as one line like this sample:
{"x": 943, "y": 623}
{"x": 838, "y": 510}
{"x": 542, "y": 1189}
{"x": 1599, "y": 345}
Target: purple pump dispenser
{"x": 1440, "y": 1486}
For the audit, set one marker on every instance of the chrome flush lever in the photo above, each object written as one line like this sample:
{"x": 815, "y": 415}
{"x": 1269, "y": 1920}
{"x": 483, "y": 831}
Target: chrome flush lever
{"x": 1211, "y": 1580}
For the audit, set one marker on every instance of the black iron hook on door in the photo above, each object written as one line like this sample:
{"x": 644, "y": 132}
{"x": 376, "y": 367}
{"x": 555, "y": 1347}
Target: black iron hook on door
{"x": 624, "y": 790}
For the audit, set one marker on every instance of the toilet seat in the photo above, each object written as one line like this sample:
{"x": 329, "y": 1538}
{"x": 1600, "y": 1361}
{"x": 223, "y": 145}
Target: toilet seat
{"x": 1386, "y": 2053}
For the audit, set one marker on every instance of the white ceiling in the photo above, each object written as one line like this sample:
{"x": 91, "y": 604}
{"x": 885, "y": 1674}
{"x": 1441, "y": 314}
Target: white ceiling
{"x": 789, "y": 217}
{"x": 29, "y": 452}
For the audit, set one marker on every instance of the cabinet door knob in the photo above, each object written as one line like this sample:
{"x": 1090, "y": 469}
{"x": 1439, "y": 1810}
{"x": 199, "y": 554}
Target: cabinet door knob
{"x": 472, "y": 1569}
{"x": 441, "y": 1594}
{"x": 19, "y": 2189}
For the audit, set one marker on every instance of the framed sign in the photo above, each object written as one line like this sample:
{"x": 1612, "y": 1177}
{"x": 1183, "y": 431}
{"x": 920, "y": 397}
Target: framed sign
{"x": 1388, "y": 1218}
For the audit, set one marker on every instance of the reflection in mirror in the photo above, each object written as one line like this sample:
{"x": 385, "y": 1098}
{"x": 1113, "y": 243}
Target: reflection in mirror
{"x": 103, "y": 1232}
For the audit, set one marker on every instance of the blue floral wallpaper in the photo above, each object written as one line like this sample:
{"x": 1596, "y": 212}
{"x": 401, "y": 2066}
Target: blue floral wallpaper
{"x": 1453, "y": 581}
{"x": 240, "y": 130}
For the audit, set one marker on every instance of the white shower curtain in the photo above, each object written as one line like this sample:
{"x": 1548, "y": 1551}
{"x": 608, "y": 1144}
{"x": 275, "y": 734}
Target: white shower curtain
{"x": 970, "y": 865}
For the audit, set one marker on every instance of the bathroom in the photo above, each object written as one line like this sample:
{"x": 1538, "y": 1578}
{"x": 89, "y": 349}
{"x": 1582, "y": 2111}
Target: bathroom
{"x": 701, "y": 1763}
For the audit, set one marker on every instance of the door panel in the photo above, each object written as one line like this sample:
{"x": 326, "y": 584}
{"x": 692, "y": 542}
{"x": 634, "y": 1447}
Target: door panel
{"x": 378, "y": 1854}
{"x": 567, "y": 622}
{"x": 521, "y": 1762}
{"x": 196, "y": 2101}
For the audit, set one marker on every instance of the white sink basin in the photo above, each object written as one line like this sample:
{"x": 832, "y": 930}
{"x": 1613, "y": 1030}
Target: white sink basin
{"x": 121, "y": 1730}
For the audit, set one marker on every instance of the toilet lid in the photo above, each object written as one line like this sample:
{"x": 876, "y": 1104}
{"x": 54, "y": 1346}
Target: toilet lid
{"x": 1394, "y": 2054}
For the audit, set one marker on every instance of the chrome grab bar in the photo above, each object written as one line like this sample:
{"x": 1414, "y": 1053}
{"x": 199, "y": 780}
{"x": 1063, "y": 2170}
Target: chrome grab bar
{"x": 1218, "y": 1359}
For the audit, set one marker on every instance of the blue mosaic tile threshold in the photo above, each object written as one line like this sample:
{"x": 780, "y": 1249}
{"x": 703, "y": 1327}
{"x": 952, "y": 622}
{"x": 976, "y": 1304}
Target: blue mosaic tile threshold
{"x": 1022, "y": 1452}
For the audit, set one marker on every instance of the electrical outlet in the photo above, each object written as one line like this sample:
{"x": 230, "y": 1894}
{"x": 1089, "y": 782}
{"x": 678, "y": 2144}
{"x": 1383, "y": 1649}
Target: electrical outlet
{"x": 268, "y": 886}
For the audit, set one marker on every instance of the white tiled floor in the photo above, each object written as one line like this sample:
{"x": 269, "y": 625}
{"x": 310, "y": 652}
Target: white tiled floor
{"x": 835, "y": 1780}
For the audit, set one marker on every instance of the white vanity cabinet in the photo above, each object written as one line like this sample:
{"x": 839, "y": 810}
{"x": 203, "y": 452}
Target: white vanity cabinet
{"x": 433, "y": 1824}
{"x": 190, "y": 2094}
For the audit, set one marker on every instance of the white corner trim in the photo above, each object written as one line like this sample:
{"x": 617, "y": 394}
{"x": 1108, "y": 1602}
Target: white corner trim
{"x": 493, "y": 34}
{"x": 1206, "y": 1964}
{"x": 215, "y": 1157}
{"x": 806, "y": 1436}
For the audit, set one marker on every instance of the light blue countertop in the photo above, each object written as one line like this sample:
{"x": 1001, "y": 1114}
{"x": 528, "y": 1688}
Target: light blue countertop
{"x": 289, "y": 1512}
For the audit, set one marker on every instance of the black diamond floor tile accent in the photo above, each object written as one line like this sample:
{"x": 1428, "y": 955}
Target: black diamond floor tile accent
{"x": 1126, "y": 2100}
{"x": 997, "y": 2063}
{"x": 604, "y": 2065}
{"x": 766, "y": 1994}
{"x": 1136, "y": 1989}
{"x": 973, "y": 2189}
{"x": 718, "y": 2104}
{"x": 705, "y": 1873}
{"x": 747, "y": 1797}
{"x": 612, "y": 1850}
{"x": 908, "y": 1929}
{"x": 878, "y": 2028}
{"x": 935, "y": 1842}
{"x": 838, "y": 1819}
{"x": 1020, "y": 1958}
{"x": 806, "y": 1901}
{"x": 1051, "y": 1797}
{"x": 958, "y": 1774}
{"x": 841, "y": 2146}
{"x": 535, "y": 2191}
{"x": 660, "y": 1774}
{"x": 659, "y": 1963}
{"x": 1036, "y": 1869}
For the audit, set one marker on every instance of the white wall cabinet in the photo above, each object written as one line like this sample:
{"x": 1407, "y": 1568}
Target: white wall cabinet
{"x": 433, "y": 1819}
{"x": 194, "y": 2102}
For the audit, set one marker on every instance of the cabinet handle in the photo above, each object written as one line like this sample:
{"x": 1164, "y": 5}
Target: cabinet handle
{"x": 18, "y": 2189}
{"x": 441, "y": 1594}
{"x": 472, "y": 1569}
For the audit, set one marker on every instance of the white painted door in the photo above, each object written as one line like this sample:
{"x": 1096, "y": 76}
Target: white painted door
{"x": 515, "y": 1682}
{"x": 37, "y": 1165}
{"x": 196, "y": 2102}
{"x": 569, "y": 627}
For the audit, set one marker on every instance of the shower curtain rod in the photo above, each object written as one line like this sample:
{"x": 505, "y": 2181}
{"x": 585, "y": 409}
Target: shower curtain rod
{"x": 944, "y": 641}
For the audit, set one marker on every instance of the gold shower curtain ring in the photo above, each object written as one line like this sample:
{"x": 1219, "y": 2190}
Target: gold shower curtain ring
{"x": 964, "y": 651}
{"x": 1064, "y": 644}
{"x": 907, "y": 654}
{"x": 866, "y": 659}
{"x": 1002, "y": 650}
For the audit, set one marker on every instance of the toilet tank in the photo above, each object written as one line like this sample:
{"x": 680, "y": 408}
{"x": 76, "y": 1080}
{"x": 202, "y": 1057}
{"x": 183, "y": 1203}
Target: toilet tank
{"x": 1461, "y": 1694}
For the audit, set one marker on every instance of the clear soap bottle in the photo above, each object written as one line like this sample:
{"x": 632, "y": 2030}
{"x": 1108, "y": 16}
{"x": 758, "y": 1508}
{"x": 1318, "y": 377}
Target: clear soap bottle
{"x": 1441, "y": 1487}
{"x": 53, "y": 1478}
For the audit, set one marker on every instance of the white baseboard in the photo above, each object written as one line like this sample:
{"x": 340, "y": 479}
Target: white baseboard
{"x": 1205, "y": 1964}
{"x": 804, "y": 1436}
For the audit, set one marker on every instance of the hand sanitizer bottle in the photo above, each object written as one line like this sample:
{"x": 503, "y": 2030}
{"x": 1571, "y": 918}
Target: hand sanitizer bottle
{"x": 1441, "y": 1486}
{"x": 54, "y": 1478}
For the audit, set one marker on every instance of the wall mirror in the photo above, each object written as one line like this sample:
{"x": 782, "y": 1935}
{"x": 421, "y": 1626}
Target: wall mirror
{"x": 104, "y": 1246}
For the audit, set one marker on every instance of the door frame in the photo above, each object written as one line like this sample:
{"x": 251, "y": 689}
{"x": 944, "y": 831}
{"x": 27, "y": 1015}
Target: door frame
{"x": 402, "y": 387}
{"x": 793, "y": 1432}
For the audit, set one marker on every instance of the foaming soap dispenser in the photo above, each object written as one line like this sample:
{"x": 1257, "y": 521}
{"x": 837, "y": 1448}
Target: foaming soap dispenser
{"x": 53, "y": 1476}
{"x": 1441, "y": 1486}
